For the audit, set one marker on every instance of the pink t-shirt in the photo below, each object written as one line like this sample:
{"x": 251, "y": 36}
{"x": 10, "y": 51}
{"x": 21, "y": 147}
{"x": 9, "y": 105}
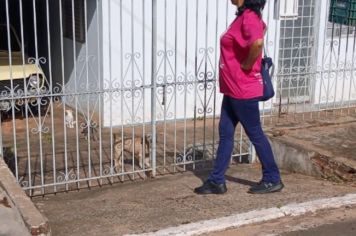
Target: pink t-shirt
{"x": 235, "y": 44}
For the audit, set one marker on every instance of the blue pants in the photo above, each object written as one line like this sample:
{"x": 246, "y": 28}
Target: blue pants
{"x": 247, "y": 112}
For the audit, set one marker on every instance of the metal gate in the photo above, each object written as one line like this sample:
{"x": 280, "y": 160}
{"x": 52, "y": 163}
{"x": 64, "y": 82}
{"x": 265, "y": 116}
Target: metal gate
{"x": 315, "y": 62}
{"x": 83, "y": 82}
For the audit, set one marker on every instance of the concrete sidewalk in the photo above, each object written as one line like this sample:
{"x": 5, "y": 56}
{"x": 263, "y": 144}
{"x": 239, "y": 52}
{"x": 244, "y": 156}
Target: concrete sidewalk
{"x": 18, "y": 214}
{"x": 10, "y": 224}
{"x": 151, "y": 205}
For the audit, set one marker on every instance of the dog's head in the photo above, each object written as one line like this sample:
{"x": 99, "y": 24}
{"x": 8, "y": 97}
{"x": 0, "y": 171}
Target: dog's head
{"x": 92, "y": 127}
{"x": 149, "y": 137}
{"x": 69, "y": 112}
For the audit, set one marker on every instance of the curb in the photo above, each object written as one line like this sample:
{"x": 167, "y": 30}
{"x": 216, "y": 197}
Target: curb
{"x": 238, "y": 220}
{"x": 35, "y": 222}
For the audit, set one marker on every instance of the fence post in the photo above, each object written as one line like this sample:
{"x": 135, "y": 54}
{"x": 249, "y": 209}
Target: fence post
{"x": 154, "y": 86}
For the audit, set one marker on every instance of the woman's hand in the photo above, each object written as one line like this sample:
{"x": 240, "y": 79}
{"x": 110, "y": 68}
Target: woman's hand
{"x": 255, "y": 51}
{"x": 245, "y": 65}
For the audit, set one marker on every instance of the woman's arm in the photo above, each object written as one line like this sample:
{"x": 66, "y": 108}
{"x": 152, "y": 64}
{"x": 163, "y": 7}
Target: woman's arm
{"x": 255, "y": 51}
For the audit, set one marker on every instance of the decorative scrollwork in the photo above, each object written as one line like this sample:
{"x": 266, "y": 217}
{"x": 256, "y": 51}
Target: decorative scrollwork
{"x": 66, "y": 177}
{"x": 111, "y": 170}
{"x": 23, "y": 183}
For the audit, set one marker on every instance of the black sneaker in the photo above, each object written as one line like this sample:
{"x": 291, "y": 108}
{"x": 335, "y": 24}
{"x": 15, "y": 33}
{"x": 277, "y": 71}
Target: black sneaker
{"x": 266, "y": 187}
{"x": 209, "y": 187}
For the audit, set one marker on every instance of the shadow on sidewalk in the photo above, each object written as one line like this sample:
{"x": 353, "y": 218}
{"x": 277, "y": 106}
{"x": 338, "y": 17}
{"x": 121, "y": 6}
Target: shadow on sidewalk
{"x": 203, "y": 176}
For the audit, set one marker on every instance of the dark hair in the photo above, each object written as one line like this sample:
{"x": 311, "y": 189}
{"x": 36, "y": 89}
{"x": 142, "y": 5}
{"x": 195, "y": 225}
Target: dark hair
{"x": 253, "y": 5}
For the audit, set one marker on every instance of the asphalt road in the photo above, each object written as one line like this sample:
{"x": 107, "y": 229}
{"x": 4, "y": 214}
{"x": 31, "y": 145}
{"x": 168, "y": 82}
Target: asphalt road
{"x": 336, "y": 222}
{"x": 347, "y": 228}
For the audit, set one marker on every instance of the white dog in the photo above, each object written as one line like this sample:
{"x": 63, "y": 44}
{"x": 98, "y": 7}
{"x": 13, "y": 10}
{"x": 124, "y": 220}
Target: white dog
{"x": 70, "y": 119}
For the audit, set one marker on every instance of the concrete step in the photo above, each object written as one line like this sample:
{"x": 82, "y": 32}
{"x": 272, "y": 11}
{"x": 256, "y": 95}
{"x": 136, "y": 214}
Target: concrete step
{"x": 324, "y": 150}
{"x": 10, "y": 224}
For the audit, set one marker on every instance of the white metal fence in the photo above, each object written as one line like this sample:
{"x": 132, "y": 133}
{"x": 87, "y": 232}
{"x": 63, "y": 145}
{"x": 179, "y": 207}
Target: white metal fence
{"x": 80, "y": 76}
{"x": 315, "y": 64}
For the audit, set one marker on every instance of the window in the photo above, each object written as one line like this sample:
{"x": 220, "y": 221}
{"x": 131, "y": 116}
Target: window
{"x": 79, "y": 20}
{"x": 296, "y": 52}
{"x": 336, "y": 30}
{"x": 288, "y": 9}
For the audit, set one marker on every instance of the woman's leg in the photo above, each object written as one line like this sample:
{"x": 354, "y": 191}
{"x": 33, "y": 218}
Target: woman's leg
{"x": 247, "y": 112}
{"x": 227, "y": 125}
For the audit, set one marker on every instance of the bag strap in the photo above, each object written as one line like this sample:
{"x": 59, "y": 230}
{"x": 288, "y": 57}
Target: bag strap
{"x": 264, "y": 51}
{"x": 266, "y": 55}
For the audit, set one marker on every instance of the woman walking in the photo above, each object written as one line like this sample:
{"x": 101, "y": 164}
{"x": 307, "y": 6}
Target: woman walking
{"x": 241, "y": 83}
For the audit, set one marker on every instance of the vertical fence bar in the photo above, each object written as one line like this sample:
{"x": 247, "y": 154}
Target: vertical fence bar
{"x": 38, "y": 99}
{"x": 196, "y": 80}
{"x": 98, "y": 9}
{"x": 323, "y": 62}
{"x": 12, "y": 87}
{"x": 111, "y": 93}
{"x": 185, "y": 85}
{"x": 345, "y": 70}
{"x": 143, "y": 89}
{"x": 175, "y": 86}
{"x": 24, "y": 77}
{"x": 133, "y": 89}
{"x": 216, "y": 69}
{"x": 330, "y": 69}
{"x": 164, "y": 88}
{"x": 63, "y": 86}
{"x": 154, "y": 85}
{"x": 206, "y": 79}
{"x": 299, "y": 71}
{"x": 50, "y": 91}
{"x": 122, "y": 90}
{"x": 76, "y": 100}
{"x": 290, "y": 79}
{"x": 312, "y": 71}
{"x": 338, "y": 69}
{"x": 277, "y": 27}
{"x": 352, "y": 71}
{"x": 89, "y": 117}
{"x": 274, "y": 76}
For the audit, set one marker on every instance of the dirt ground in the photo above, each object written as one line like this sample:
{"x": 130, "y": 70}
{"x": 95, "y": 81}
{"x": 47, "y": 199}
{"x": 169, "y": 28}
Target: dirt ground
{"x": 60, "y": 154}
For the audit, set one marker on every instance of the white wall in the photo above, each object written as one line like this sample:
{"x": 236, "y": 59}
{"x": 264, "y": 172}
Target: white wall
{"x": 336, "y": 78}
{"x": 332, "y": 74}
{"x": 202, "y": 33}
{"x": 271, "y": 45}
{"x": 122, "y": 38}
{"x": 75, "y": 78}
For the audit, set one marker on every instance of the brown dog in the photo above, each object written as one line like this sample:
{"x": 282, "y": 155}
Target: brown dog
{"x": 127, "y": 145}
